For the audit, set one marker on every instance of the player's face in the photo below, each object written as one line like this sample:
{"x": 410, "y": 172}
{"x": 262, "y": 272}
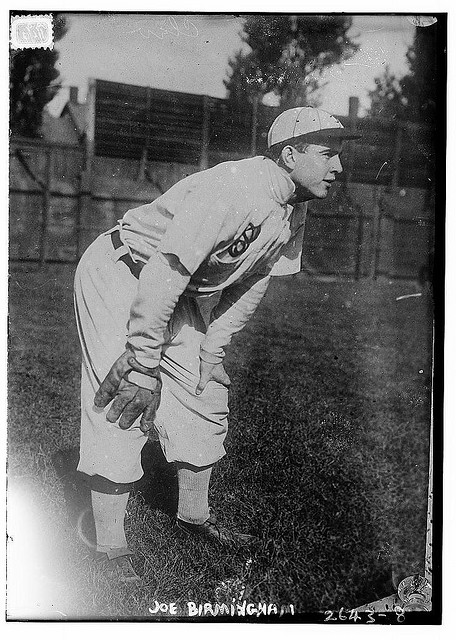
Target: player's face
{"x": 315, "y": 170}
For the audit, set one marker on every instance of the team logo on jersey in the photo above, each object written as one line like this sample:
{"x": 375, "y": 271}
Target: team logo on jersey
{"x": 242, "y": 243}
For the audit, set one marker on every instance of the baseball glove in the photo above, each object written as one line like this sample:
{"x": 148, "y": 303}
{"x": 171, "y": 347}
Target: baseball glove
{"x": 135, "y": 391}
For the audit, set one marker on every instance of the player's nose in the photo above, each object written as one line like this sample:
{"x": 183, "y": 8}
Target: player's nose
{"x": 336, "y": 165}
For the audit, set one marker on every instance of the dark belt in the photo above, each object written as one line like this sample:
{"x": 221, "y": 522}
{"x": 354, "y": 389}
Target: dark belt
{"x": 135, "y": 267}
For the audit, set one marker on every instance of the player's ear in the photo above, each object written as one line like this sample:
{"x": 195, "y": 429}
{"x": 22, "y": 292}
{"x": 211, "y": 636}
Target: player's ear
{"x": 288, "y": 157}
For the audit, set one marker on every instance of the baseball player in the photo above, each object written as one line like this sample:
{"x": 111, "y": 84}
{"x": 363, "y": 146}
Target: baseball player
{"x": 150, "y": 361}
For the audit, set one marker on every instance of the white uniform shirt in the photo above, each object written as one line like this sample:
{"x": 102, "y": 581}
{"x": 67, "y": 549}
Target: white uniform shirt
{"x": 231, "y": 228}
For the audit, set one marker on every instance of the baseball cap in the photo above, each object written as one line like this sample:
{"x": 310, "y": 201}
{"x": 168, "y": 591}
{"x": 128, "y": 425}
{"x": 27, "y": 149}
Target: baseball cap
{"x": 307, "y": 121}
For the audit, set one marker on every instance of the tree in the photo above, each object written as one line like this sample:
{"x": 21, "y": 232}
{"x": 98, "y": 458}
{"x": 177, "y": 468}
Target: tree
{"x": 387, "y": 100}
{"x": 33, "y": 83}
{"x": 288, "y": 54}
{"x": 419, "y": 87}
{"x": 412, "y": 97}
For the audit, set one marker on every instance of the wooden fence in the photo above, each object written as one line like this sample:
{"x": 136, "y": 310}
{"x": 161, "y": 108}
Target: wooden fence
{"x": 139, "y": 141}
{"x": 57, "y": 208}
{"x": 135, "y": 122}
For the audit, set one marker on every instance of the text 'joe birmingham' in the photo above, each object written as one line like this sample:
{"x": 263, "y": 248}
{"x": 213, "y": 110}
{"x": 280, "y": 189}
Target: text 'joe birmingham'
{"x": 235, "y": 608}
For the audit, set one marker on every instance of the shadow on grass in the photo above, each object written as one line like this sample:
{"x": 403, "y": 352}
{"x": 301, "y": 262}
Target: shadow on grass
{"x": 305, "y": 450}
{"x": 76, "y": 493}
{"x": 314, "y": 510}
{"x": 158, "y": 487}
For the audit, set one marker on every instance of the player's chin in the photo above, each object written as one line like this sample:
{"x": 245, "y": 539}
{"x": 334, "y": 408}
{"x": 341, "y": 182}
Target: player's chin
{"x": 321, "y": 191}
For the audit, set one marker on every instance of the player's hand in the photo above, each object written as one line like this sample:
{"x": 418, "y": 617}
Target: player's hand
{"x": 135, "y": 391}
{"x": 210, "y": 372}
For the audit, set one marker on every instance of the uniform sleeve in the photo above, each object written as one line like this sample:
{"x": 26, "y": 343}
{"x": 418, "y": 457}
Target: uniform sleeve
{"x": 199, "y": 220}
{"x": 236, "y": 306}
{"x": 289, "y": 261}
{"x": 161, "y": 283}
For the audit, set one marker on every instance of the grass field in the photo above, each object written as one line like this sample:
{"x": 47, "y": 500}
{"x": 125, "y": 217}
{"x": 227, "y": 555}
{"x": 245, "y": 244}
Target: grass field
{"x": 327, "y": 458}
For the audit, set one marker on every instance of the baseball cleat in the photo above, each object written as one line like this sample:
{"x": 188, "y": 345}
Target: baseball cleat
{"x": 213, "y": 532}
{"x": 118, "y": 566}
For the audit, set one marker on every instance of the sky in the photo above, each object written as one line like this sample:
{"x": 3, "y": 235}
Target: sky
{"x": 190, "y": 53}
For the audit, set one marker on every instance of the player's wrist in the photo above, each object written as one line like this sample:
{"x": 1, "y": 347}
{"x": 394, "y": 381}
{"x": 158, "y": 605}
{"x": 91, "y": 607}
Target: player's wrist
{"x": 211, "y": 358}
{"x": 141, "y": 373}
{"x": 145, "y": 381}
{"x": 148, "y": 361}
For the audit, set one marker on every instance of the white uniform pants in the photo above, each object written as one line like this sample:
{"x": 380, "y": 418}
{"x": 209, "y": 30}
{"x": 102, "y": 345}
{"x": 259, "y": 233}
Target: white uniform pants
{"x": 191, "y": 428}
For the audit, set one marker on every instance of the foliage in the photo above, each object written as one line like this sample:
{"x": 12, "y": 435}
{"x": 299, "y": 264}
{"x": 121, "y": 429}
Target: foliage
{"x": 420, "y": 85}
{"x": 412, "y": 97}
{"x": 387, "y": 100}
{"x": 33, "y": 83}
{"x": 287, "y": 56}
